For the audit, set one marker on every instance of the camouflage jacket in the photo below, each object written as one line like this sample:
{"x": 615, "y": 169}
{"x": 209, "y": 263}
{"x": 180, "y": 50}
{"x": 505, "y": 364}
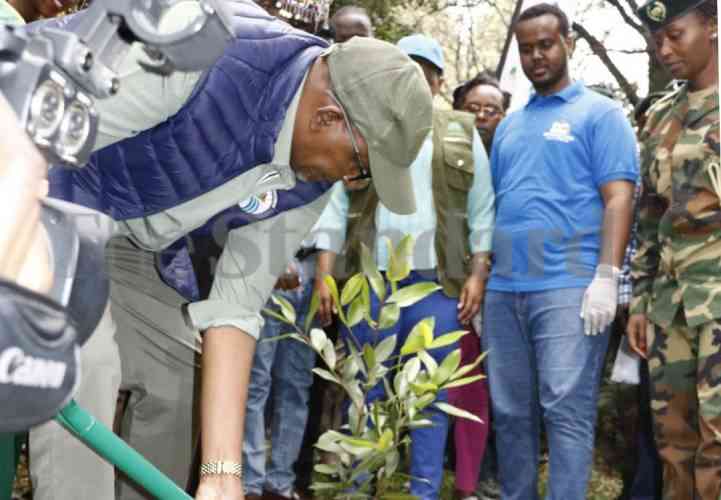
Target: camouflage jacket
{"x": 678, "y": 261}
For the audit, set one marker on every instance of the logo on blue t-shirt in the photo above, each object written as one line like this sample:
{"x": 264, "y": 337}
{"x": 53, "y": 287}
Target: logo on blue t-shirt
{"x": 560, "y": 131}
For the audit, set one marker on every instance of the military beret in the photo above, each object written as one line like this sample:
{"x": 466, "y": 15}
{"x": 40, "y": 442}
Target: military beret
{"x": 658, "y": 13}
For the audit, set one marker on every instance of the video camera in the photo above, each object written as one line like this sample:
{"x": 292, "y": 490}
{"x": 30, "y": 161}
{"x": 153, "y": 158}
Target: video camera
{"x": 50, "y": 77}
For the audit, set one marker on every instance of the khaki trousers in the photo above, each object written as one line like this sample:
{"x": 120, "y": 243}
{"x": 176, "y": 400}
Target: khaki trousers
{"x": 158, "y": 354}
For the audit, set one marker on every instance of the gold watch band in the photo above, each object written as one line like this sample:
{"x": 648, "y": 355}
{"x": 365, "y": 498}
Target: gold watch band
{"x": 219, "y": 468}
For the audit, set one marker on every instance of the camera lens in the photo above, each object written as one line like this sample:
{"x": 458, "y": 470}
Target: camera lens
{"x": 75, "y": 129}
{"x": 46, "y": 109}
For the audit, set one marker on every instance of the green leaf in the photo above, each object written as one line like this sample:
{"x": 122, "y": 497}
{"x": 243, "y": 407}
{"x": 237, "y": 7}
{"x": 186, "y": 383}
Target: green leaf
{"x": 312, "y": 311}
{"x": 417, "y": 340}
{"x": 398, "y": 496}
{"x": 412, "y": 368}
{"x": 358, "y": 357}
{"x": 354, "y": 392}
{"x": 385, "y": 440}
{"x": 351, "y": 289}
{"x": 423, "y": 388}
{"x": 285, "y": 307}
{"x": 371, "y": 271}
{"x": 356, "y": 313}
{"x": 393, "y": 458}
{"x": 425, "y": 400}
{"x": 389, "y": 316}
{"x": 448, "y": 366}
{"x": 359, "y": 443}
{"x": 428, "y": 362}
{"x": 351, "y": 367}
{"x": 409, "y": 295}
{"x": 457, "y": 412}
{"x": 405, "y": 246}
{"x": 398, "y": 266}
{"x": 318, "y": 339}
{"x": 321, "y": 486}
{"x": 447, "y": 339}
{"x": 369, "y": 356}
{"x": 333, "y": 287}
{"x": 464, "y": 381}
{"x": 463, "y": 370}
{"x": 400, "y": 384}
{"x": 276, "y": 315}
{"x": 329, "y": 442}
{"x": 385, "y": 348}
{"x": 329, "y": 355}
{"x": 421, "y": 423}
{"x": 325, "y": 469}
{"x": 399, "y": 262}
{"x": 326, "y": 375}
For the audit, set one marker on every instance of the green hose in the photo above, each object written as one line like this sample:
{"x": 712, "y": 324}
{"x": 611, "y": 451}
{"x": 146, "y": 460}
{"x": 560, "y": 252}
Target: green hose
{"x": 117, "y": 452}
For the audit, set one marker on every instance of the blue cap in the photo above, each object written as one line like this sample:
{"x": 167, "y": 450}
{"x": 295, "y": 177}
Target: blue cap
{"x": 423, "y": 46}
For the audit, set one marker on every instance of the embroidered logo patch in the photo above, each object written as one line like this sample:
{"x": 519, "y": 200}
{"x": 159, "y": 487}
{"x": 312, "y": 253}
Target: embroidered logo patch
{"x": 559, "y": 131}
{"x": 259, "y": 204}
{"x": 657, "y": 12}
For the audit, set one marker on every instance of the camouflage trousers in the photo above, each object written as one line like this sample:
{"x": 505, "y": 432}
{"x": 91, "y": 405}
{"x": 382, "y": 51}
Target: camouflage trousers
{"x": 685, "y": 369}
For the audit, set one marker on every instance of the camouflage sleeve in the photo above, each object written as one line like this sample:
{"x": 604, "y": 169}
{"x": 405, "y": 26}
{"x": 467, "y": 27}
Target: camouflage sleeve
{"x": 644, "y": 264}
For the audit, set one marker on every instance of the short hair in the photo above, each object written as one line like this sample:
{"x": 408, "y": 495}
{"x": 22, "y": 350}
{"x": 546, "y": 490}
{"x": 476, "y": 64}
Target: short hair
{"x": 543, "y": 9}
{"x": 709, "y": 9}
{"x": 483, "y": 78}
{"x": 350, "y": 9}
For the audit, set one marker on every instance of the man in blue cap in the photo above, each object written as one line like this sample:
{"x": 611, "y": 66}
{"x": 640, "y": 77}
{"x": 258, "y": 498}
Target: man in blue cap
{"x": 451, "y": 228}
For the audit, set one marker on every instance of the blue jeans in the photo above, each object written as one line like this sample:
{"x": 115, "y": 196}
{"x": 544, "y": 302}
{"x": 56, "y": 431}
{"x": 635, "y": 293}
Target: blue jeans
{"x": 428, "y": 444}
{"x": 287, "y": 364}
{"x": 541, "y": 365}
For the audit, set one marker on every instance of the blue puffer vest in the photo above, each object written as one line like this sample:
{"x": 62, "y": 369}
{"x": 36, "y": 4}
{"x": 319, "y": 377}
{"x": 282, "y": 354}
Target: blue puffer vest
{"x": 229, "y": 125}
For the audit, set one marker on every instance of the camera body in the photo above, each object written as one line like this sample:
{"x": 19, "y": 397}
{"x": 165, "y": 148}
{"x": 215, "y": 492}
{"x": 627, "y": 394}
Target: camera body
{"x": 57, "y": 112}
{"x": 51, "y": 76}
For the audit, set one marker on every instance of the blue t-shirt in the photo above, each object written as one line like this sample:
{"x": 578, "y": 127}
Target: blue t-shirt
{"x": 549, "y": 161}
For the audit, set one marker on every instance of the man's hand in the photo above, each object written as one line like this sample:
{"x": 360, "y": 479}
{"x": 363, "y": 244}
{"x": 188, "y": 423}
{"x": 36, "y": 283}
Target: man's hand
{"x": 289, "y": 280}
{"x": 471, "y": 298}
{"x": 636, "y": 331}
{"x": 326, "y": 308}
{"x": 220, "y": 488}
{"x": 600, "y": 300}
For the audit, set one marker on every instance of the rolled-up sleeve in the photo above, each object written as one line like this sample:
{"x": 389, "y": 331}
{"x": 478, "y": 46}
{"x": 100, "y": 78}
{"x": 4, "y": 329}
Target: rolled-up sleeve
{"x": 252, "y": 259}
{"x": 329, "y": 232}
{"x": 481, "y": 201}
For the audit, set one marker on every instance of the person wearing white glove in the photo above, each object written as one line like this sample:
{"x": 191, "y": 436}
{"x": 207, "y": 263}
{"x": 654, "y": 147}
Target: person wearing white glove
{"x": 600, "y": 300}
{"x": 564, "y": 168}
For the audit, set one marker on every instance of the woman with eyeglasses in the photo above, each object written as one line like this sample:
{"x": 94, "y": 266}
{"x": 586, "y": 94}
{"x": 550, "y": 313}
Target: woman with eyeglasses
{"x": 483, "y": 97}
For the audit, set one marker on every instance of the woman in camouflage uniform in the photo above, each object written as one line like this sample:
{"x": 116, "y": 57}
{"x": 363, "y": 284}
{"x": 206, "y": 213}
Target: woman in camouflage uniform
{"x": 676, "y": 307}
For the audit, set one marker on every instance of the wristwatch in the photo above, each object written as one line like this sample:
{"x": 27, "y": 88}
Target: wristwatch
{"x": 220, "y": 468}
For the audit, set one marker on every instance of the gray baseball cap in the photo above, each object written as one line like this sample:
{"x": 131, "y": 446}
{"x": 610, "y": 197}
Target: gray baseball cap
{"x": 388, "y": 100}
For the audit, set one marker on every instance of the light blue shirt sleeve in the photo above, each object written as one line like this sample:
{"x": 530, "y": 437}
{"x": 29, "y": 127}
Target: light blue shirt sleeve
{"x": 481, "y": 201}
{"x": 329, "y": 231}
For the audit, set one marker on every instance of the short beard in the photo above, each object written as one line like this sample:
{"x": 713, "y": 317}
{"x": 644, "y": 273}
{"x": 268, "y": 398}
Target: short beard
{"x": 557, "y": 77}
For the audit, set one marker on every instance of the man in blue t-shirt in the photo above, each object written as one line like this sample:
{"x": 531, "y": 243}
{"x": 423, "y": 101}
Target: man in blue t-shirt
{"x": 564, "y": 169}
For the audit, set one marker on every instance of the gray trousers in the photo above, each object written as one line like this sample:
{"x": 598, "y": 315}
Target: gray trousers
{"x": 158, "y": 354}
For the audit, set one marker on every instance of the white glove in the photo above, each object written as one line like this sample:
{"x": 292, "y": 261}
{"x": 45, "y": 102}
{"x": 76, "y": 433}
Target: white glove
{"x": 600, "y": 300}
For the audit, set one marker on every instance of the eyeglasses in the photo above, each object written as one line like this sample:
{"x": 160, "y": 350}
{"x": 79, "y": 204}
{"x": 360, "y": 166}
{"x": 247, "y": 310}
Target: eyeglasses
{"x": 489, "y": 111}
{"x": 364, "y": 172}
